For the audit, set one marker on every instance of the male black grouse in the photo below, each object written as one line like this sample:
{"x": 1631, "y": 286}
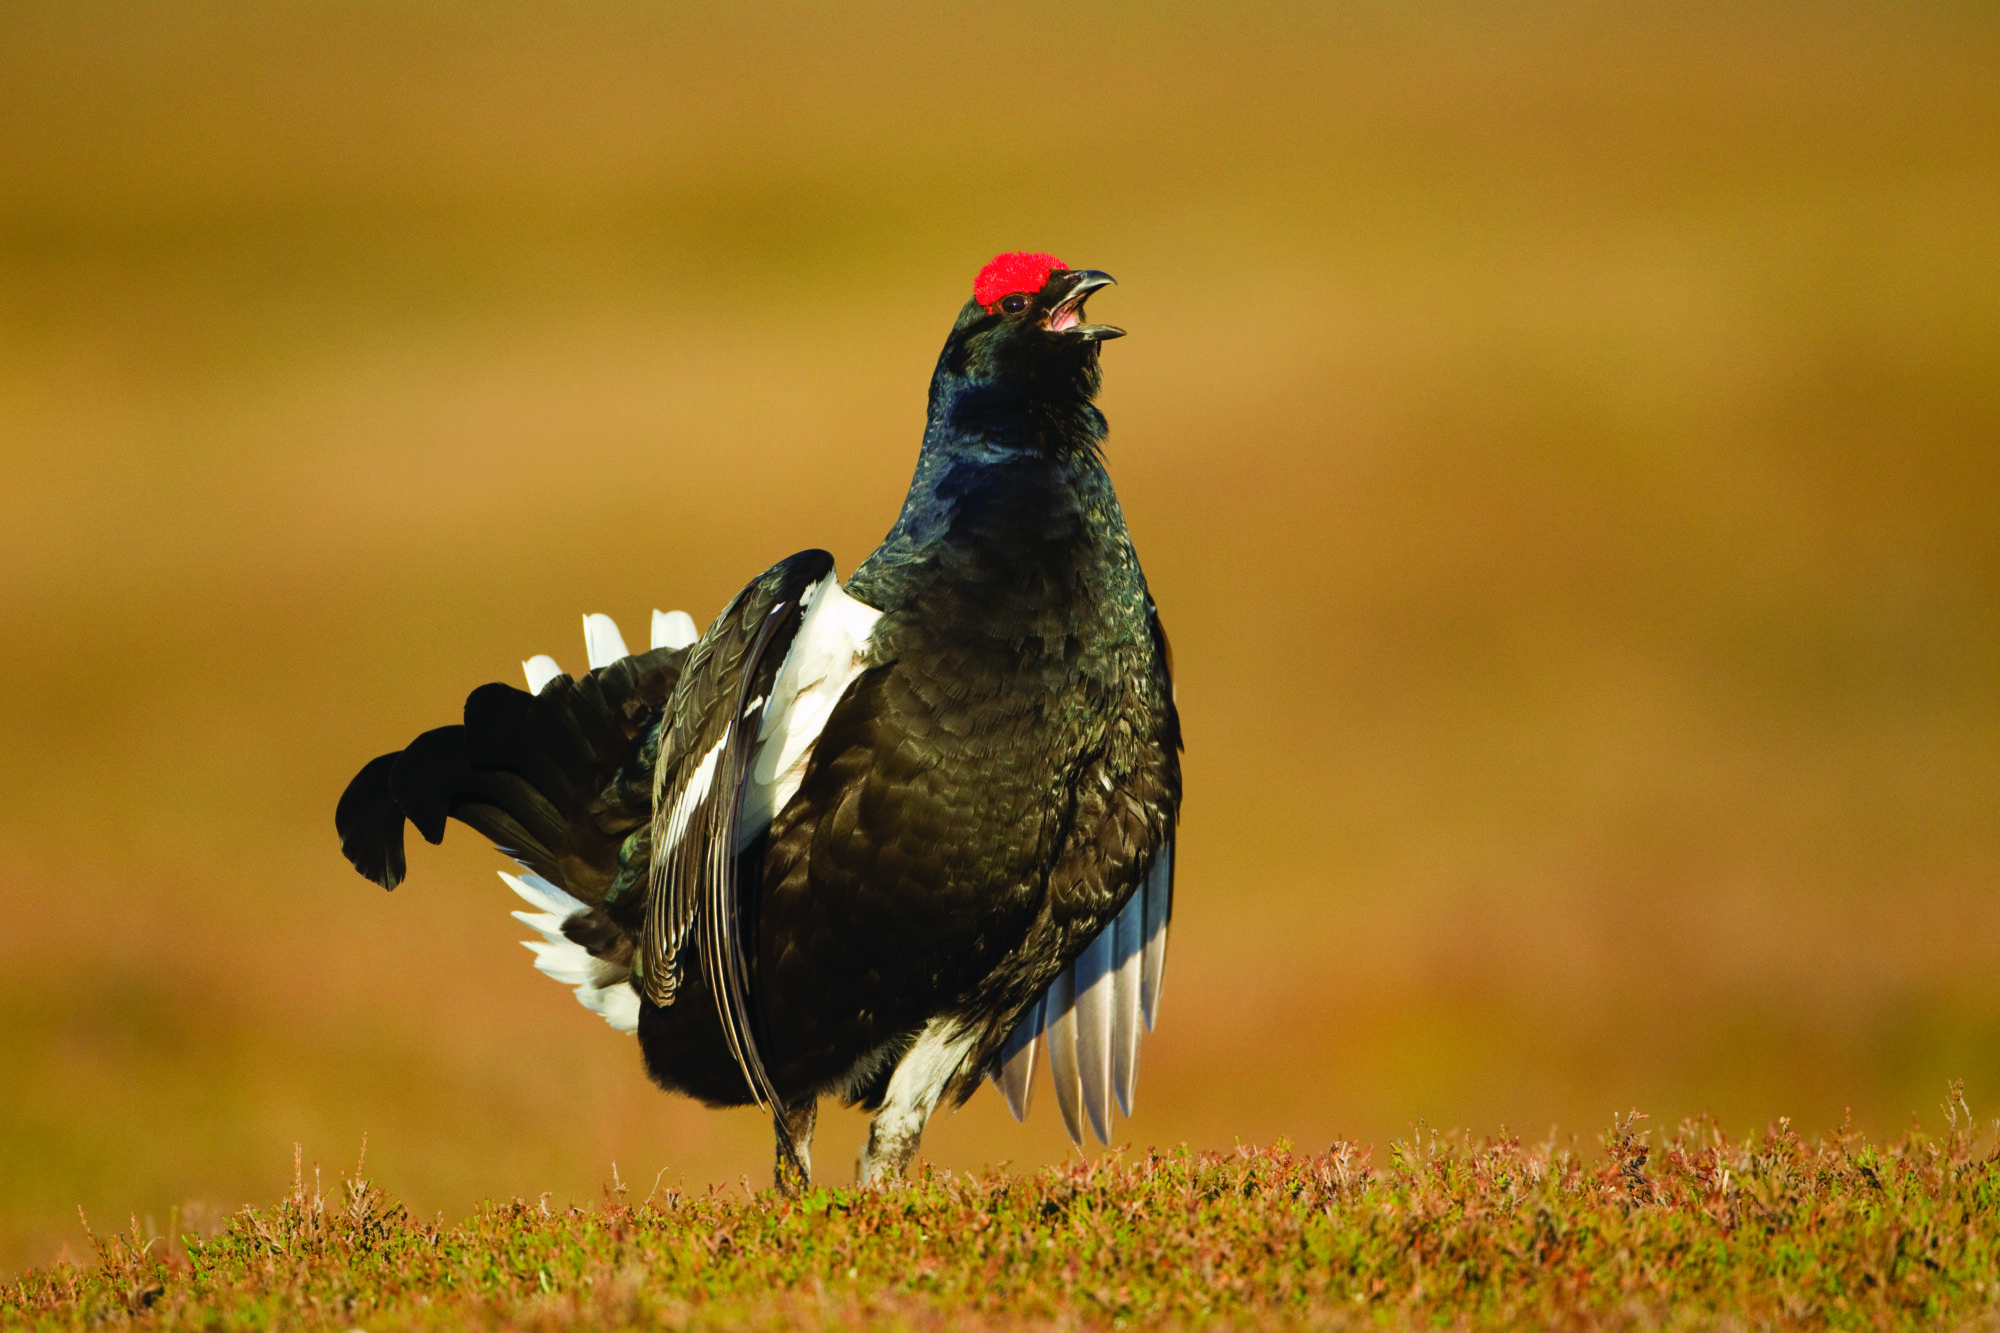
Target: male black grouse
{"x": 870, "y": 841}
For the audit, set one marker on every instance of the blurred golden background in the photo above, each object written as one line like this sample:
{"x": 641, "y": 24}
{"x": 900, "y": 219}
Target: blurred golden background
{"x": 1564, "y": 442}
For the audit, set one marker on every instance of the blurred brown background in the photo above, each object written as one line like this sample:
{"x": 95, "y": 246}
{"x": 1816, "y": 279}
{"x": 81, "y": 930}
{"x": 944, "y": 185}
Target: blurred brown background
{"x": 1562, "y": 441}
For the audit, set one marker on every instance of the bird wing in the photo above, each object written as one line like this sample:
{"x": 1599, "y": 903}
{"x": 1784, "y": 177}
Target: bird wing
{"x": 1092, "y": 1015}
{"x": 712, "y": 725}
{"x": 755, "y": 693}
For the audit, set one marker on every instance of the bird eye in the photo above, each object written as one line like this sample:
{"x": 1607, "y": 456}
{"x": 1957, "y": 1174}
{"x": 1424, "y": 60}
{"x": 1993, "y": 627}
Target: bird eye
{"x": 1014, "y": 304}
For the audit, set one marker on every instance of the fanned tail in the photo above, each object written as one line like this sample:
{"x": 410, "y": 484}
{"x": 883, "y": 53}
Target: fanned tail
{"x": 558, "y": 779}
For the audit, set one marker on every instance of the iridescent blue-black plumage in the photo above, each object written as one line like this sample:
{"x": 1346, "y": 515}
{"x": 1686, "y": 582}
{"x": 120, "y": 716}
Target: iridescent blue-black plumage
{"x": 997, "y": 780}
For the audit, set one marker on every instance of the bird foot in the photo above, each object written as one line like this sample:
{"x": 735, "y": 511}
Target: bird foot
{"x": 792, "y": 1178}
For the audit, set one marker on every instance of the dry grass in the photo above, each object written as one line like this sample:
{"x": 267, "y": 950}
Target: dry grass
{"x": 1561, "y": 439}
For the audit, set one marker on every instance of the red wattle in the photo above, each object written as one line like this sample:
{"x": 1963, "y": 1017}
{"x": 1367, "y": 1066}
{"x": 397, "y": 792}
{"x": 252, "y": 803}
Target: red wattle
{"x": 1015, "y": 271}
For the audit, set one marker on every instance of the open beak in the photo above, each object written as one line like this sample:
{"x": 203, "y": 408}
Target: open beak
{"x": 1066, "y": 315}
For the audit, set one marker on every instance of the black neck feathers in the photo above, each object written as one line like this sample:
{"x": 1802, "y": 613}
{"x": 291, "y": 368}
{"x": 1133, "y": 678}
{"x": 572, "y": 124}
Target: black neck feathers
{"x": 1010, "y": 501}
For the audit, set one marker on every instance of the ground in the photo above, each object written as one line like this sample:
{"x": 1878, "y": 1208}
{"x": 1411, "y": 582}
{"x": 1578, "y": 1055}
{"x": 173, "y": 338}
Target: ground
{"x": 1682, "y": 1230}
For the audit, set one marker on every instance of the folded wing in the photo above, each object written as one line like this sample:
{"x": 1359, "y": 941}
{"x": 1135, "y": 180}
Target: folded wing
{"x": 1092, "y": 1015}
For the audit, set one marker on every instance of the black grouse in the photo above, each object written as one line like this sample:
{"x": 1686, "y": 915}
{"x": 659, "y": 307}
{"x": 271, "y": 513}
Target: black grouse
{"x": 873, "y": 840}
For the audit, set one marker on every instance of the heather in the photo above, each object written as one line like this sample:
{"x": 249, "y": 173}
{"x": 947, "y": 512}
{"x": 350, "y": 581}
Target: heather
{"x": 1689, "y": 1228}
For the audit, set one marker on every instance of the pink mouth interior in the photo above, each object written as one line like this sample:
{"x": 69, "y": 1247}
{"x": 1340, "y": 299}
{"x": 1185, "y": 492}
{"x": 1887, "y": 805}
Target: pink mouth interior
{"x": 1063, "y": 317}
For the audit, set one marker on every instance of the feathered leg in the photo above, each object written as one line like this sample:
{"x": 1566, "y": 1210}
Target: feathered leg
{"x": 799, "y": 1121}
{"x": 920, "y": 1079}
{"x": 893, "y": 1138}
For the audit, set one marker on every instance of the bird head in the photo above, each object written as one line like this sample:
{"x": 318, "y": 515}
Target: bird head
{"x": 1024, "y": 325}
{"x": 1042, "y": 292}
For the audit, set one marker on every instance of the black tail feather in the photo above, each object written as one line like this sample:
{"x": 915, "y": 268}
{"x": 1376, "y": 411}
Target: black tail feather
{"x": 547, "y": 777}
{"x": 427, "y": 778}
{"x": 371, "y": 823}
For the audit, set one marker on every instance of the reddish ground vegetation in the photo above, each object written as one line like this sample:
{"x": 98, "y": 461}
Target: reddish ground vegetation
{"x": 1694, "y": 1231}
